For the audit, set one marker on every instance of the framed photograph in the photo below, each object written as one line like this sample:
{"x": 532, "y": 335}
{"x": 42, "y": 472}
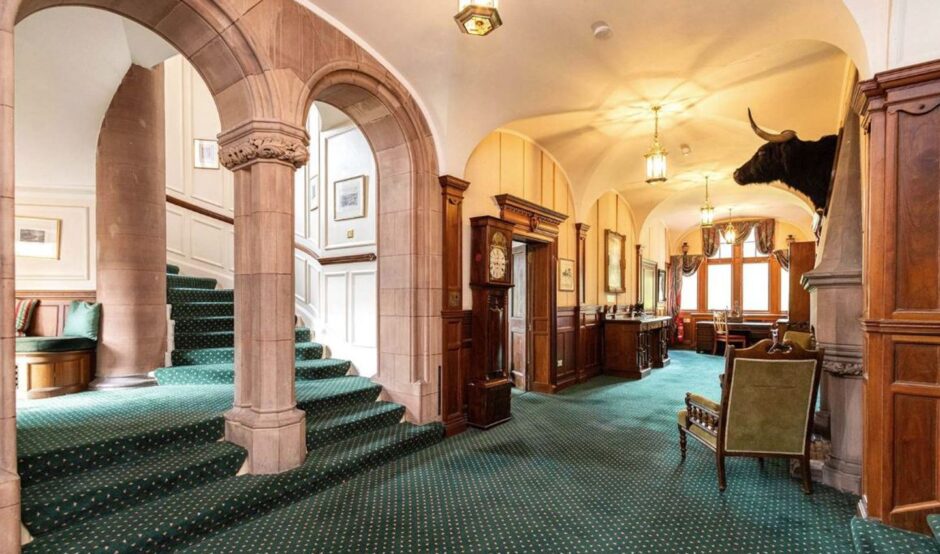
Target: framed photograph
{"x": 206, "y": 154}
{"x": 37, "y": 237}
{"x": 349, "y": 200}
{"x": 615, "y": 263}
{"x": 313, "y": 192}
{"x": 565, "y": 275}
{"x": 648, "y": 281}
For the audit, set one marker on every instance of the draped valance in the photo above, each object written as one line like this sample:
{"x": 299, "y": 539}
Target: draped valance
{"x": 680, "y": 265}
{"x": 765, "y": 229}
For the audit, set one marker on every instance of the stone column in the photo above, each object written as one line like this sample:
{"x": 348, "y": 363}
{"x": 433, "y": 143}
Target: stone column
{"x": 836, "y": 286}
{"x": 265, "y": 419}
{"x": 131, "y": 232}
{"x": 9, "y": 480}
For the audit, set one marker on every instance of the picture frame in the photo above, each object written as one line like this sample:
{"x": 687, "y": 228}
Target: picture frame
{"x": 614, "y": 261}
{"x": 313, "y": 193}
{"x": 349, "y": 200}
{"x": 661, "y": 285}
{"x": 37, "y": 237}
{"x": 647, "y": 294}
{"x": 566, "y": 271}
{"x": 205, "y": 154}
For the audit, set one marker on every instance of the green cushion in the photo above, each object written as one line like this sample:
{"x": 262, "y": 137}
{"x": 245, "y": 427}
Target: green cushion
{"x": 53, "y": 344}
{"x": 82, "y": 320}
{"x": 804, "y": 340}
{"x": 769, "y": 406}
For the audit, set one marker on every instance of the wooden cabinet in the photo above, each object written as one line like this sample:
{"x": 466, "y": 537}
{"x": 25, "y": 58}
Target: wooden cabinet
{"x": 634, "y": 346}
{"x": 901, "y": 322}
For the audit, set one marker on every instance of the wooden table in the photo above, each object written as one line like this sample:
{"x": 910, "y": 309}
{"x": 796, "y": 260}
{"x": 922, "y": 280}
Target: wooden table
{"x": 633, "y": 346}
{"x": 753, "y": 330}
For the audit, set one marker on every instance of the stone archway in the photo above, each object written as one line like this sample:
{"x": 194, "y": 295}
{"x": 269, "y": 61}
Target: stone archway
{"x": 409, "y": 217}
{"x": 265, "y": 62}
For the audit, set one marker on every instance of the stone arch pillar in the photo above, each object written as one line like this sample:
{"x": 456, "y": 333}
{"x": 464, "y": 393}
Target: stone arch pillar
{"x": 265, "y": 419}
{"x": 131, "y": 232}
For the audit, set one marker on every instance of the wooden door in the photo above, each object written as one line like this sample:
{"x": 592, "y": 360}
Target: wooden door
{"x": 518, "y": 321}
{"x": 541, "y": 285}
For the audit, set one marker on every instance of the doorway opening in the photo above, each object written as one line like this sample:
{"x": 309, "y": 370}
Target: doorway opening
{"x": 532, "y": 315}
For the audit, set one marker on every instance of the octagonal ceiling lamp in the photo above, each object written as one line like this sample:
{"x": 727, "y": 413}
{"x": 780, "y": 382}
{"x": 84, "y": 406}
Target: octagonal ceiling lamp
{"x": 478, "y": 17}
{"x": 707, "y": 210}
{"x": 656, "y": 157}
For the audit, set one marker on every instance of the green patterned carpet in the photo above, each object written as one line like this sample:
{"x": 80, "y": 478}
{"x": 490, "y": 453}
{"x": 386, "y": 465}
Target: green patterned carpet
{"x": 594, "y": 469}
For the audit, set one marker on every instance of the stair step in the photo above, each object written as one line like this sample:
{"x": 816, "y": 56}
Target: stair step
{"x": 172, "y": 269}
{"x": 342, "y": 423}
{"x": 185, "y": 518}
{"x": 174, "y": 281}
{"x": 188, "y": 295}
{"x": 204, "y": 324}
{"x": 222, "y": 374}
{"x": 226, "y": 355}
{"x": 202, "y": 309}
{"x": 872, "y": 537}
{"x": 221, "y": 339}
{"x": 91, "y": 430}
{"x": 323, "y": 395}
{"x": 52, "y": 504}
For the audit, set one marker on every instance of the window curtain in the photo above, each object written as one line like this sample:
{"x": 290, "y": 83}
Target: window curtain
{"x": 680, "y": 266}
{"x": 765, "y": 236}
{"x": 783, "y": 258}
{"x": 709, "y": 241}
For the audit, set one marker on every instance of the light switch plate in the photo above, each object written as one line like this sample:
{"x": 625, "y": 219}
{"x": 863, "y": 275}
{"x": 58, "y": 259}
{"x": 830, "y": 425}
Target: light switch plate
{"x": 350, "y": 234}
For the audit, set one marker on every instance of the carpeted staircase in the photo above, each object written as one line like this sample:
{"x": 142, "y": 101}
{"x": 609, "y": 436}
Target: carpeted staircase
{"x": 872, "y": 537}
{"x": 146, "y": 469}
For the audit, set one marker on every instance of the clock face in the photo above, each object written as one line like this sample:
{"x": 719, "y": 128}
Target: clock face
{"x": 497, "y": 263}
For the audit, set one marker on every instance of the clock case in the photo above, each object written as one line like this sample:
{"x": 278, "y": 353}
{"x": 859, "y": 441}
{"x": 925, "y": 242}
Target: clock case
{"x": 489, "y": 391}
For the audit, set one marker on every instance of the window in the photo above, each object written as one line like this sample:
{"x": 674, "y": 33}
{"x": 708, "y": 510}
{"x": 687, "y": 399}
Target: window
{"x": 756, "y": 287}
{"x": 749, "y": 248}
{"x": 689, "y": 293}
{"x": 725, "y": 249}
{"x": 784, "y": 290}
{"x": 719, "y": 286}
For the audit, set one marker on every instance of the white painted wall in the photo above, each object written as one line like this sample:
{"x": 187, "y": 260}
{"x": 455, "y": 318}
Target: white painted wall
{"x": 340, "y": 302}
{"x": 200, "y": 245}
{"x": 69, "y": 62}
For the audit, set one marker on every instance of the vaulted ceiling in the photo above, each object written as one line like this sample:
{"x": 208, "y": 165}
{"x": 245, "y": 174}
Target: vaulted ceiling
{"x": 586, "y": 100}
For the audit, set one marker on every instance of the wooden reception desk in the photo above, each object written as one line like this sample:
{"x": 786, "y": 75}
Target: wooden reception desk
{"x": 633, "y": 346}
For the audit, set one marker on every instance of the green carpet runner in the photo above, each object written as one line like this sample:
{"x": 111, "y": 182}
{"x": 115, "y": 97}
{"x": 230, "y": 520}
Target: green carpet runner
{"x": 146, "y": 470}
{"x": 872, "y": 537}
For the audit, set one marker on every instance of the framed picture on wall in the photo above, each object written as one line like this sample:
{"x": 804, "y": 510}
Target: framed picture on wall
{"x": 206, "y": 154}
{"x": 349, "y": 198}
{"x": 37, "y": 237}
{"x": 615, "y": 263}
{"x": 313, "y": 193}
{"x": 661, "y": 285}
{"x": 565, "y": 275}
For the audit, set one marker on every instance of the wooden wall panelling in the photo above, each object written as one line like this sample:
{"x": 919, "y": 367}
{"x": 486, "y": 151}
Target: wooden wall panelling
{"x": 566, "y": 364}
{"x": 589, "y": 343}
{"x": 802, "y": 259}
{"x": 542, "y": 305}
{"x": 901, "y": 111}
{"x": 455, "y": 363}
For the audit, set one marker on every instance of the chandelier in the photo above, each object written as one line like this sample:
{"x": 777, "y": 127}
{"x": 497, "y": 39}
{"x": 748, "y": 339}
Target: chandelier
{"x": 656, "y": 157}
{"x": 478, "y": 17}
{"x": 729, "y": 233}
{"x": 707, "y": 211}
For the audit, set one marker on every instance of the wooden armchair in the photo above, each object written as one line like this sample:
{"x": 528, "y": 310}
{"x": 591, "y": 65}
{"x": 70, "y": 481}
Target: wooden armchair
{"x": 723, "y": 334}
{"x": 766, "y": 408}
{"x": 802, "y": 334}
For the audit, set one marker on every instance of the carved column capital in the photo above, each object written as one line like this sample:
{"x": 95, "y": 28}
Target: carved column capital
{"x": 264, "y": 141}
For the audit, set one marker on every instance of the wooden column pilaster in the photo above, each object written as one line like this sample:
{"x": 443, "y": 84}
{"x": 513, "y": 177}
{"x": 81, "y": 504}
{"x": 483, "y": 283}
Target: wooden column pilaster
{"x": 579, "y": 287}
{"x": 456, "y": 358}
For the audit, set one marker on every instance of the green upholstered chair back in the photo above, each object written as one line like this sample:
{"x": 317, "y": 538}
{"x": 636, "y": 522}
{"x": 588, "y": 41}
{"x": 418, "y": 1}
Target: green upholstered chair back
{"x": 802, "y": 338}
{"x": 769, "y": 398}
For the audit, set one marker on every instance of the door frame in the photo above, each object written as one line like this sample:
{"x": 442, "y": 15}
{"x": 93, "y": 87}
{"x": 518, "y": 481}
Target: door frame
{"x": 541, "y": 275}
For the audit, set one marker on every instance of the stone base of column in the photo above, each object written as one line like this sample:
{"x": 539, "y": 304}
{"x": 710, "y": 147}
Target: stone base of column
{"x": 122, "y": 382}
{"x": 275, "y": 442}
{"x": 420, "y": 400}
{"x": 10, "y": 536}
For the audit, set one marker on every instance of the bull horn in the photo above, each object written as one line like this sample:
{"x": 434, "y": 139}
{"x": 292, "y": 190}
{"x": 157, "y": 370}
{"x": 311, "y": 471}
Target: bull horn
{"x": 770, "y": 137}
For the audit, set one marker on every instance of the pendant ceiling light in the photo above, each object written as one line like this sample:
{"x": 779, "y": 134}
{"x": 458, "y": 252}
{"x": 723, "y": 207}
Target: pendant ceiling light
{"x": 656, "y": 157}
{"x": 478, "y": 17}
{"x": 729, "y": 232}
{"x": 708, "y": 211}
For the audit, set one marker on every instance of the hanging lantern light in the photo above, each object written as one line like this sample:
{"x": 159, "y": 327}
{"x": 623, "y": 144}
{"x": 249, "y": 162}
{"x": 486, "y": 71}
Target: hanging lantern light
{"x": 729, "y": 232}
{"x": 656, "y": 157}
{"x": 707, "y": 211}
{"x": 478, "y": 17}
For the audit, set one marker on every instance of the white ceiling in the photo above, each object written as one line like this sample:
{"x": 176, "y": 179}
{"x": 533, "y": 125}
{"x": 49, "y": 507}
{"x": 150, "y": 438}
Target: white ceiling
{"x": 543, "y": 74}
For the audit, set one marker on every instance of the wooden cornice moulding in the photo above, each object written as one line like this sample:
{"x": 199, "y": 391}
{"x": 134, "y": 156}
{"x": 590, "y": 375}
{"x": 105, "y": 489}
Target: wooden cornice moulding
{"x": 529, "y": 216}
{"x": 58, "y": 294}
{"x": 870, "y": 95}
{"x": 582, "y": 229}
{"x": 901, "y": 326}
{"x": 453, "y": 183}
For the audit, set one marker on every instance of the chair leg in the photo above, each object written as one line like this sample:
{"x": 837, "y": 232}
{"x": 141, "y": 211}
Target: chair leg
{"x": 722, "y": 481}
{"x": 760, "y": 462}
{"x": 682, "y": 442}
{"x": 714, "y": 347}
{"x": 807, "y": 475}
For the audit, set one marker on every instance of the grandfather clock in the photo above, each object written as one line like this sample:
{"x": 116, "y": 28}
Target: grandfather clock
{"x": 488, "y": 394}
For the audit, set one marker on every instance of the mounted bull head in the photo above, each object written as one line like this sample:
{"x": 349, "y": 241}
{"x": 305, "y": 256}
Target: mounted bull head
{"x": 805, "y": 166}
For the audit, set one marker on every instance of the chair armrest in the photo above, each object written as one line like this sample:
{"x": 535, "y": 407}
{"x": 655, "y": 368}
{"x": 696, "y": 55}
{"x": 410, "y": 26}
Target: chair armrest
{"x": 703, "y": 413}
